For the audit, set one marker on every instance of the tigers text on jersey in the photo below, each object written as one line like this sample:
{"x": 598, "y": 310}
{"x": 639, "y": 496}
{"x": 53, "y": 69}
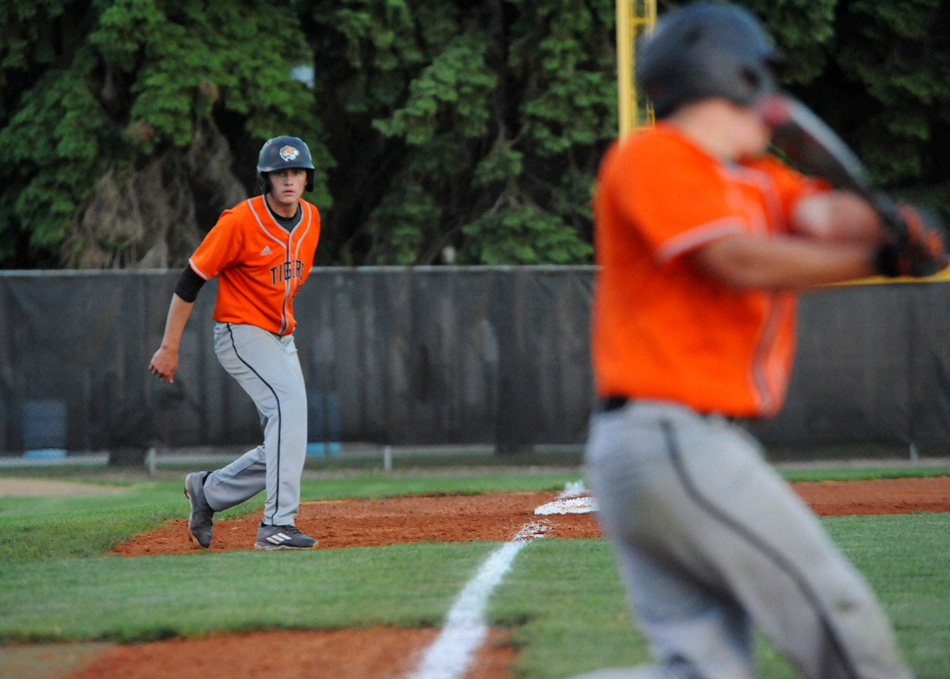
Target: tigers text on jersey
{"x": 662, "y": 329}
{"x": 259, "y": 265}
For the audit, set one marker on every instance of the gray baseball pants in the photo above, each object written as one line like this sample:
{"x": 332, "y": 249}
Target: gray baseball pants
{"x": 711, "y": 541}
{"x": 268, "y": 369}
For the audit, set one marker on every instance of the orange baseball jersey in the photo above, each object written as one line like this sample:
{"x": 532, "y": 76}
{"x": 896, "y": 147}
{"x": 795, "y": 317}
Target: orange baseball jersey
{"x": 662, "y": 329}
{"x": 260, "y": 266}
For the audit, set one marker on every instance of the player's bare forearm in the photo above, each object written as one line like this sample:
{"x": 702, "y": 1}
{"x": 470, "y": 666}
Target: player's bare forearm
{"x": 178, "y": 312}
{"x": 164, "y": 363}
{"x": 784, "y": 263}
{"x": 837, "y": 216}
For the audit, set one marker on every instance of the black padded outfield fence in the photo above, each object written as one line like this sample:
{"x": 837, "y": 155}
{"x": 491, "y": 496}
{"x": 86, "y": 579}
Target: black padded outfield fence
{"x": 429, "y": 356}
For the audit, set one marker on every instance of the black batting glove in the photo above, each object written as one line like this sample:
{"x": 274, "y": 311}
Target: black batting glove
{"x": 918, "y": 249}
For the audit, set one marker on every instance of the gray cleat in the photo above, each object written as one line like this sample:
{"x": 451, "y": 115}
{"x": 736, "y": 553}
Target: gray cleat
{"x": 270, "y": 538}
{"x": 199, "y": 523}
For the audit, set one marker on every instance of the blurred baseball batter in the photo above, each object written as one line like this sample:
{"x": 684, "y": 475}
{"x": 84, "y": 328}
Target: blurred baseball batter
{"x": 262, "y": 252}
{"x": 701, "y": 242}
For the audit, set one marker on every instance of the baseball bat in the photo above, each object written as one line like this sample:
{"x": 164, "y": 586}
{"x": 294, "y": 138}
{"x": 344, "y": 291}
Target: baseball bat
{"x": 816, "y": 150}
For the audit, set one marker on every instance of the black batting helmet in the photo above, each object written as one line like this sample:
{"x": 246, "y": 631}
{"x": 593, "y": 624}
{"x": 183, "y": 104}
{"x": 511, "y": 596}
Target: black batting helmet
{"x": 281, "y": 153}
{"x": 706, "y": 50}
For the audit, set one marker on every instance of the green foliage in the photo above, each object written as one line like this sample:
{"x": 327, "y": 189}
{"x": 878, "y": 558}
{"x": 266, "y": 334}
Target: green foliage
{"x": 523, "y": 235}
{"x": 502, "y": 162}
{"x": 492, "y": 116}
{"x": 400, "y": 224}
{"x": 901, "y": 67}
{"x": 805, "y": 32}
{"x": 129, "y": 86}
{"x": 181, "y": 64}
{"x": 574, "y": 65}
{"x": 876, "y": 72}
{"x": 55, "y": 140}
{"x": 447, "y": 96}
{"x": 485, "y": 111}
{"x": 29, "y": 32}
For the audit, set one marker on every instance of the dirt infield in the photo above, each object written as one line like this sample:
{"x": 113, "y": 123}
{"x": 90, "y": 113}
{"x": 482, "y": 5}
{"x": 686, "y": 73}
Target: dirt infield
{"x": 375, "y": 523}
{"x": 373, "y": 653}
{"x": 498, "y": 516}
{"x": 388, "y": 652}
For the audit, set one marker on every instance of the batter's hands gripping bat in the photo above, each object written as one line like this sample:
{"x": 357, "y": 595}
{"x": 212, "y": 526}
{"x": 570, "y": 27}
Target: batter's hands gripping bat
{"x": 916, "y": 242}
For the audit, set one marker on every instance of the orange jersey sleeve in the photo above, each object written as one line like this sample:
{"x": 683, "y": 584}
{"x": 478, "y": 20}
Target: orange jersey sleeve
{"x": 260, "y": 266}
{"x": 663, "y": 329}
{"x": 222, "y": 246}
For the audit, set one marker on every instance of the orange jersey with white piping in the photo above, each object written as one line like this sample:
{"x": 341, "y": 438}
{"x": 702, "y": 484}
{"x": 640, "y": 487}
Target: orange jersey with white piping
{"x": 661, "y": 328}
{"x": 260, "y": 266}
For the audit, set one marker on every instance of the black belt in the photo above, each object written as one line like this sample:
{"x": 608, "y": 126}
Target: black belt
{"x": 610, "y": 403}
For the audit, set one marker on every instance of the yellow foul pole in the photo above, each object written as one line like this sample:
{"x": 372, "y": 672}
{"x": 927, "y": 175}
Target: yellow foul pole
{"x": 633, "y": 18}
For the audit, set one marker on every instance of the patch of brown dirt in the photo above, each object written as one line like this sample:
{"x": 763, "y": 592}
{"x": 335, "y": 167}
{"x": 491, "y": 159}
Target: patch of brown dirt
{"x": 885, "y": 496}
{"x": 378, "y": 652}
{"x": 374, "y": 523}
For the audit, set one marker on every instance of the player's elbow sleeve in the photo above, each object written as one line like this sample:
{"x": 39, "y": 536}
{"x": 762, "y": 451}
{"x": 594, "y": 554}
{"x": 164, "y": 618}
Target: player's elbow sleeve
{"x": 188, "y": 285}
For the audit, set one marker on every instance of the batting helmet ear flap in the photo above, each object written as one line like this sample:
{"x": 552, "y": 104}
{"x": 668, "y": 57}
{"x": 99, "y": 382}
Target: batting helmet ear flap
{"x": 264, "y": 181}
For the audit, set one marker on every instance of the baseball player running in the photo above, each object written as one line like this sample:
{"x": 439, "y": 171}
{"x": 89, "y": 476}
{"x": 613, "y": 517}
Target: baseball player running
{"x": 262, "y": 252}
{"x": 701, "y": 242}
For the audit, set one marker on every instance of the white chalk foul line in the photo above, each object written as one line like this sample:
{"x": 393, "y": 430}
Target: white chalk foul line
{"x": 465, "y": 628}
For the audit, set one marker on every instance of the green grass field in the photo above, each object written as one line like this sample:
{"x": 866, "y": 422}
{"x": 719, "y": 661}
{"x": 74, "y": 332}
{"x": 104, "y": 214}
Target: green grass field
{"x": 561, "y": 600}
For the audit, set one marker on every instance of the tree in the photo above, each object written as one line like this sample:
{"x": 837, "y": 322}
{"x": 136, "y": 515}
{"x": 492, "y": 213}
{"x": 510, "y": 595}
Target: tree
{"x": 442, "y": 130}
{"x": 469, "y": 127}
{"x": 120, "y": 119}
{"x": 876, "y": 72}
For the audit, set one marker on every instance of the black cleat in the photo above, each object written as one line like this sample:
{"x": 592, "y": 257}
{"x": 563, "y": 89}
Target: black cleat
{"x": 270, "y": 538}
{"x": 199, "y": 523}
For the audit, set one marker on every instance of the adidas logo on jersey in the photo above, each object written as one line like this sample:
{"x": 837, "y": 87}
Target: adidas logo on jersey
{"x": 266, "y": 251}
